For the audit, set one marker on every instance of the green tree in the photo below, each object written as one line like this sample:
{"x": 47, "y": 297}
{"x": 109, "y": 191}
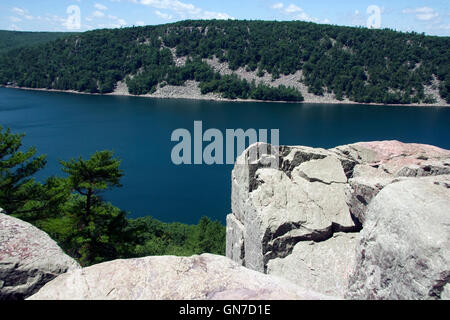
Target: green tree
{"x": 99, "y": 227}
{"x": 210, "y": 237}
{"x": 91, "y": 177}
{"x": 17, "y": 186}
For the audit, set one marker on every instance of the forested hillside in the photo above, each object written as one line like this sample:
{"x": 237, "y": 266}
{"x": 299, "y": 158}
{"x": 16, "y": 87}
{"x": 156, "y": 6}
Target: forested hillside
{"x": 359, "y": 64}
{"x": 17, "y": 39}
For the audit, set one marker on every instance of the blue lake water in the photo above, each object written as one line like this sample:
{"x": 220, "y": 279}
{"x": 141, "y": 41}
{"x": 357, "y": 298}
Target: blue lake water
{"x": 64, "y": 126}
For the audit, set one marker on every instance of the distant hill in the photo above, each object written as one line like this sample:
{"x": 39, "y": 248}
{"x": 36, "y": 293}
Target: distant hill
{"x": 262, "y": 60}
{"x": 16, "y": 39}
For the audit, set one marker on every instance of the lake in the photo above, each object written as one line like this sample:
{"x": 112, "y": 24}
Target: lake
{"x": 64, "y": 126}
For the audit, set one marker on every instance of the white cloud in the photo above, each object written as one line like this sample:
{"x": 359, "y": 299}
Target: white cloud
{"x": 423, "y": 13}
{"x": 57, "y": 21}
{"x": 15, "y": 19}
{"x": 443, "y": 27}
{"x": 277, "y": 6}
{"x": 100, "y": 7}
{"x": 22, "y": 12}
{"x": 292, "y": 8}
{"x": 215, "y": 15}
{"x": 163, "y": 15}
{"x": 140, "y": 23}
{"x": 19, "y": 11}
{"x": 107, "y": 21}
{"x": 98, "y": 14}
{"x": 115, "y": 23}
{"x": 13, "y": 27}
{"x": 357, "y": 18}
{"x": 294, "y": 12}
{"x": 183, "y": 10}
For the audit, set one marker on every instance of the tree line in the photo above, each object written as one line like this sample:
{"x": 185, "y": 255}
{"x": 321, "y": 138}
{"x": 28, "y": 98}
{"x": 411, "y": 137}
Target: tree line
{"x": 72, "y": 211}
{"x": 363, "y": 65}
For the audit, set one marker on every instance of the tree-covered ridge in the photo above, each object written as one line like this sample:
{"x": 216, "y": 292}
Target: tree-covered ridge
{"x": 363, "y": 65}
{"x": 10, "y": 40}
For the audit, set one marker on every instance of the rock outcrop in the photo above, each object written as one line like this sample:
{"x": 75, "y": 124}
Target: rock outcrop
{"x": 361, "y": 221}
{"x": 405, "y": 244}
{"x": 302, "y": 219}
{"x": 29, "y": 258}
{"x": 205, "y": 277}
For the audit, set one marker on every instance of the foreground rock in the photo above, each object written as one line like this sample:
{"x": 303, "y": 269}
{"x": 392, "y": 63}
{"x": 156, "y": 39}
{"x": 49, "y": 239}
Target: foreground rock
{"x": 322, "y": 266}
{"x": 205, "y": 277}
{"x": 301, "y": 219}
{"x": 29, "y": 258}
{"x": 405, "y": 244}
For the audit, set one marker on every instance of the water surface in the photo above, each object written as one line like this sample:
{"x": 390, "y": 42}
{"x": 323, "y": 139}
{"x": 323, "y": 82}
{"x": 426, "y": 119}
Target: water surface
{"x": 64, "y": 126}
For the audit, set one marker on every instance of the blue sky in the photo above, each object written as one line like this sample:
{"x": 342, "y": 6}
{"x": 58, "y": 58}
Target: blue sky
{"x": 429, "y": 16}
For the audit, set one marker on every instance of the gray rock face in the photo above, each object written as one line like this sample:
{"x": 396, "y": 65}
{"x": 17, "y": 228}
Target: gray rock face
{"x": 405, "y": 244}
{"x": 322, "y": 266}
{"x": 205, "y": 277}
{"x": 302, "y": 220}
{"x": 29, "y": 258}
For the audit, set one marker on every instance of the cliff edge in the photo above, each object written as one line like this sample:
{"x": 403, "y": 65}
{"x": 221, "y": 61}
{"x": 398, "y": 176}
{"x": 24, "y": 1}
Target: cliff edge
{"x": 362, "y": 221}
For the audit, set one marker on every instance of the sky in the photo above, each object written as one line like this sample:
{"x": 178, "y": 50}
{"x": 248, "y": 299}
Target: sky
{"x": 429, "y": 16}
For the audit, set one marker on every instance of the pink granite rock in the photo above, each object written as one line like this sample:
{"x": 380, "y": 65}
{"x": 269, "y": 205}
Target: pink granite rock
{"x": 29, "y": 258}
{"x": 302, "y": 219}
{"x": 205, "y": 277}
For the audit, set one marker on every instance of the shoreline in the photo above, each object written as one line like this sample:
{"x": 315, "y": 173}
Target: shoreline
{"x": 220, "y": 99}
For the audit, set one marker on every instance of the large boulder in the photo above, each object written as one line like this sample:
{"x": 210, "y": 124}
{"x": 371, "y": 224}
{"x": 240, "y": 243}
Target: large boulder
{"x": 205, "y": 277}
{"x": 383, "y": 162}
{"x": 322, "y": 266}
{"x": 279, "y": 211}
{"x": 301, "y": 219}
{"x": 29, "y": 258}
{"x": 405, "y": 244}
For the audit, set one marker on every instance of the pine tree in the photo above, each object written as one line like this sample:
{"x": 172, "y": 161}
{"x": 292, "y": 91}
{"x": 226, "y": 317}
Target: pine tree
{"x": 98, "y": 226}
{"x": 17, "y": 186}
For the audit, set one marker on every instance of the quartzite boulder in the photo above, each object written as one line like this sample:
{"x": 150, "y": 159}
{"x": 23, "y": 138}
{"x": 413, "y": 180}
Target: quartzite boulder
{"x": 29, "y": 258}
{"x": 301, "y": 219}
{"x": 205, "y": 277}
{"x": 405, "y": 244}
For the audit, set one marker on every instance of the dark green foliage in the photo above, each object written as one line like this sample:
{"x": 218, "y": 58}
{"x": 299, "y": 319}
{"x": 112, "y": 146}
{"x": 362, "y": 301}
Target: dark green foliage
{"x": 20, "y": 194}
{"x": 97, "y": 225}
{"x": 94, "y": 238}
{"x": 73, "y": 213}
{"x": 17, "y": 186}
{"x": 154, "y": 237}
{"x": 363, "y": 65}
{"x": 17, "y": 39}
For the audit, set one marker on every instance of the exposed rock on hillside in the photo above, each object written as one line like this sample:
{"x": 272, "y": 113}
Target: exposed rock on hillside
{"x": 205, "y": 277}
{"x": 29, "y": 258}
{"x": 302, "y": 219}
{"x": 292, "y": 80}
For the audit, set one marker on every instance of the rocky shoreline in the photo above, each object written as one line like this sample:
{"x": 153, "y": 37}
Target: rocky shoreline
{"x": 191, "y": 91}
